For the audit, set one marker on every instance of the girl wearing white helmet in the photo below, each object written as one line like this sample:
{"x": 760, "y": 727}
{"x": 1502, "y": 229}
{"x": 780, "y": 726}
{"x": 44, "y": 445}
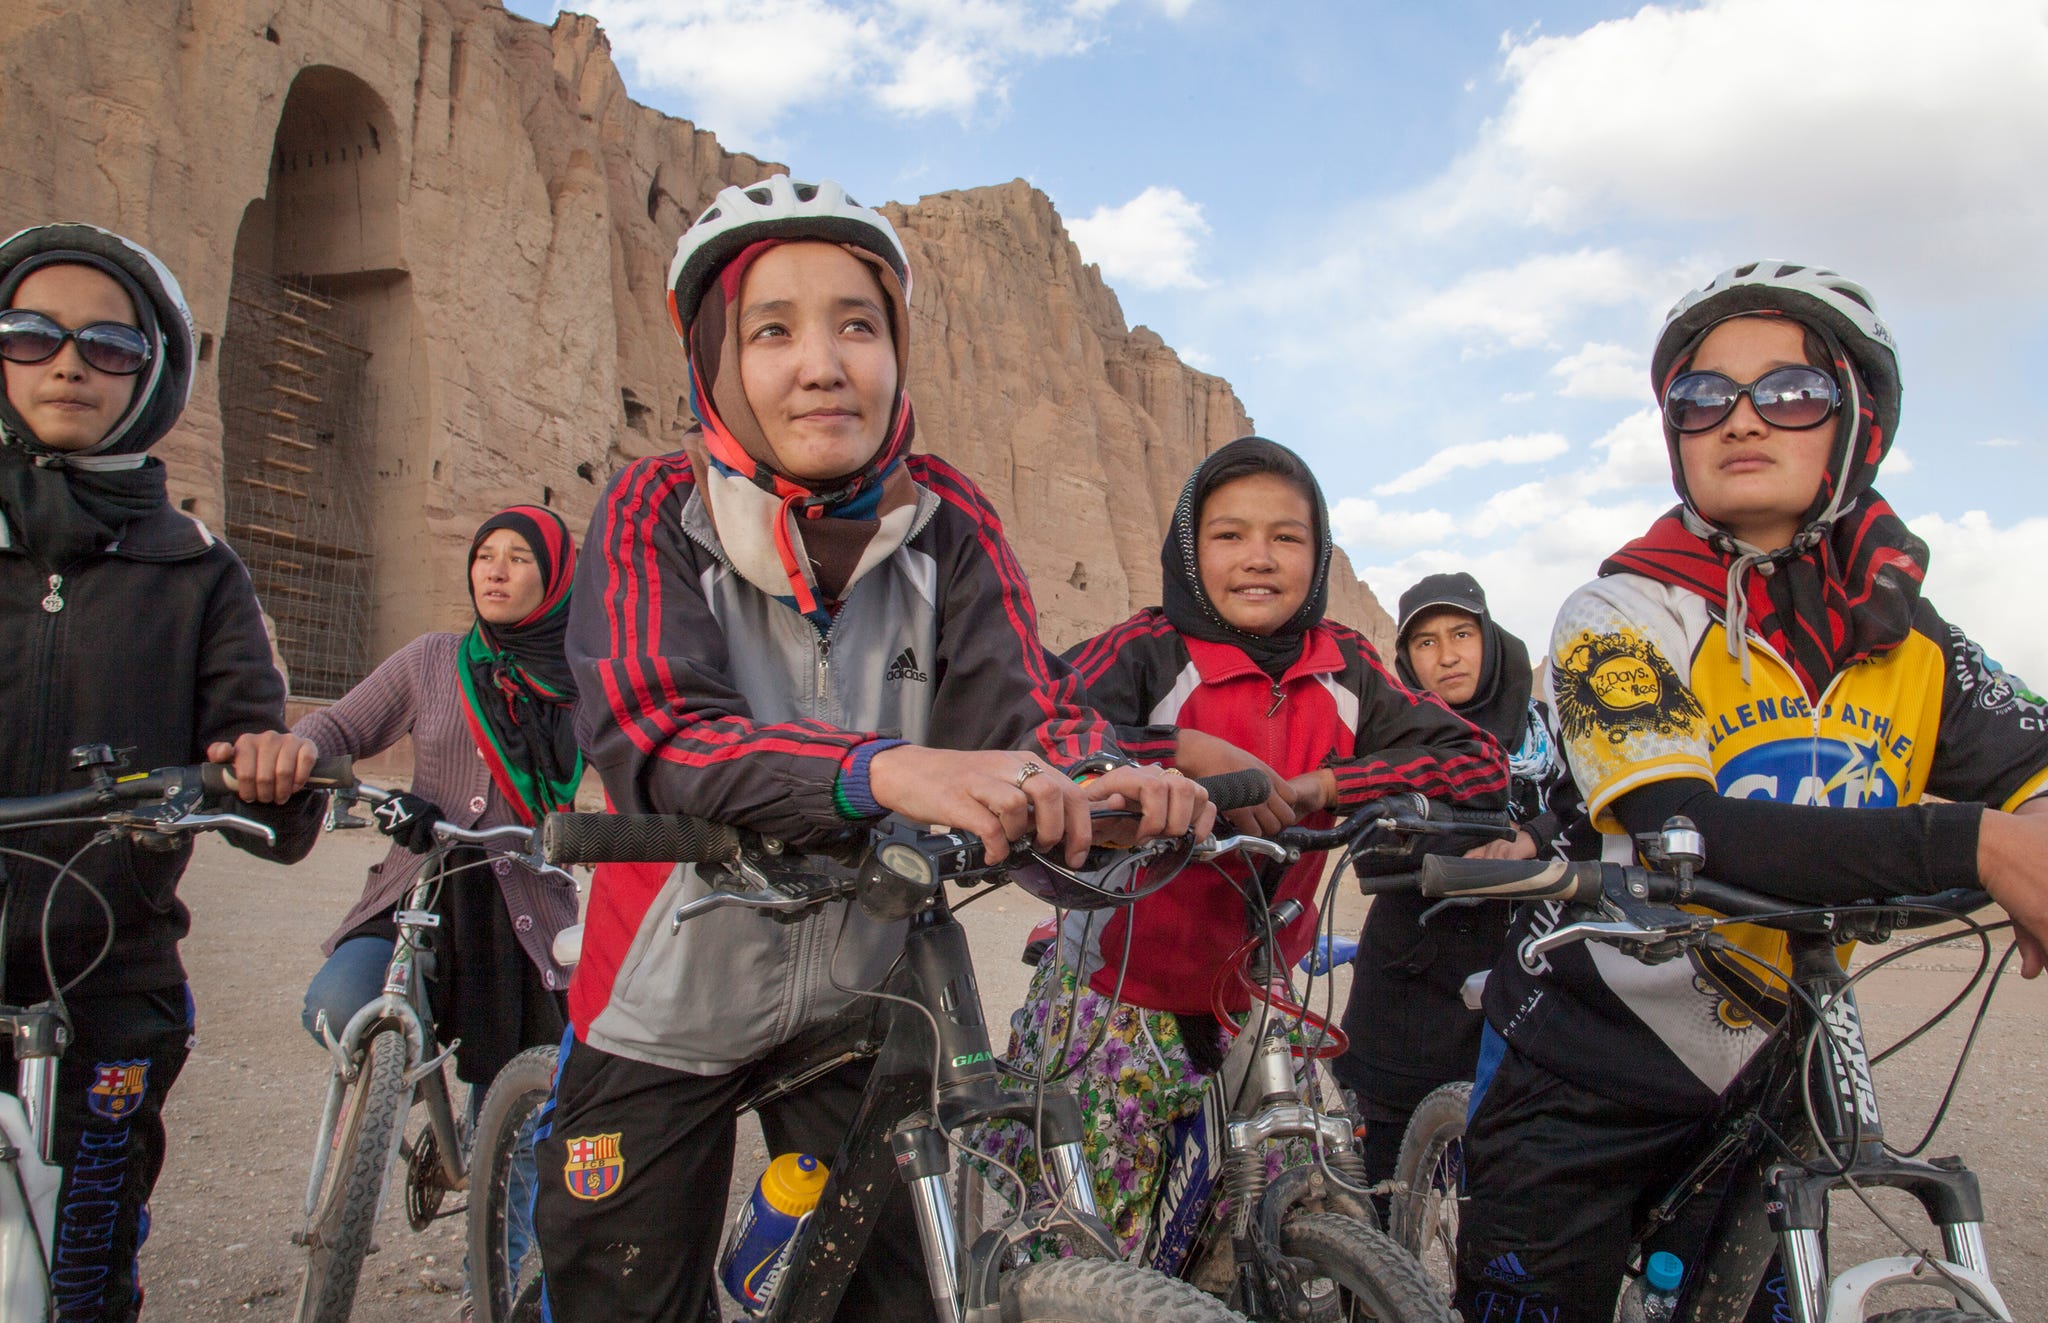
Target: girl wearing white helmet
{"x": 1762, "y": 662}
{"x": 817, "y": 628}
{"x": 128, "y": 625}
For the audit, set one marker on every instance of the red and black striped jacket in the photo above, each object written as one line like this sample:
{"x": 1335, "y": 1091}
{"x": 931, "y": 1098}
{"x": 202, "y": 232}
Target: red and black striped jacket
{"x": 700, "y": 693}
{"x": 1336, "y": 707}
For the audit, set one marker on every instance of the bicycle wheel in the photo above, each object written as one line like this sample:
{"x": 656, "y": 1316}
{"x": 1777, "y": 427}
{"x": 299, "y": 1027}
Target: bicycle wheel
{"x": 1104, "y": 1291}
{"x": 359, "y": 1159}
{"x": 1374, "y": 1278}
{"x": 504, "y": 1131}
{"x": 1424, "y": 1221}
{"x": 1927, "y": 1314}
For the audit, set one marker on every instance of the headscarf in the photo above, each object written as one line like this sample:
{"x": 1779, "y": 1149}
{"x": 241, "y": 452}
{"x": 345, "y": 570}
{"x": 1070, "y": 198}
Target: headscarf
{"x": 517, "y": 688}
{"x": 1847, "y": 586}
{"x": 801, "y": 542}
{"x": 1183, "y": 596}
{"x": 64, "y": 505}
{"x": 1500, "y": 704}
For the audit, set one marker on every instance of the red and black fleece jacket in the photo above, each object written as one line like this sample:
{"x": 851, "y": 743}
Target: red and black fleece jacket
{"x": 664, "y": 720}
{"x": 1337, "y": 706}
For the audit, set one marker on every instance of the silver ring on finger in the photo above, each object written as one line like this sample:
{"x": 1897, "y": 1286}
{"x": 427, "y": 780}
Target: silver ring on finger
{"x": 1025, "y": 773}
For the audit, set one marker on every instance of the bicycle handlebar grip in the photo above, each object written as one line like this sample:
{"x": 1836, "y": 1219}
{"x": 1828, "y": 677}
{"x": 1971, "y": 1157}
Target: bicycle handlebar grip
{"x": 1516, "y": 879}
{"x": 642, "y": 838}
{"x": 333, "y": 773}
{"x": 1236, "y": 790}
{"x": 1493, "y": 820}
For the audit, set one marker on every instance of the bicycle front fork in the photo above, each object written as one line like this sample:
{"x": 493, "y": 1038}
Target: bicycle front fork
{"x": 924, "y": 1160}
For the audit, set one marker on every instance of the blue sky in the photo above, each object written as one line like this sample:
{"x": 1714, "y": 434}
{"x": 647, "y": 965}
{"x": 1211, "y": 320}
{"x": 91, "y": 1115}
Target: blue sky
{"x": 1430, "y": 244}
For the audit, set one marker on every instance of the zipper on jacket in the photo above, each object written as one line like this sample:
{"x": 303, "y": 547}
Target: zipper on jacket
{"x": 1279, "y": 697}
{"x": 53, "y": 602}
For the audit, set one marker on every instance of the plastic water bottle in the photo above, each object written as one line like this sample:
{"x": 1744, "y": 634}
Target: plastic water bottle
{"x": 1653, "y": 1298}
{"x": 758, "y": 1249}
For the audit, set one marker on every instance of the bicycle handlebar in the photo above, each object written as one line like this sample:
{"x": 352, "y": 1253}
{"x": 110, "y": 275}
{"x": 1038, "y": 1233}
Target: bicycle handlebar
{"x": 657, "y": 838}
{"x": 1632, "y": 897}
{"x": 163, "y": 783}
{"x": 1406, "y": 812}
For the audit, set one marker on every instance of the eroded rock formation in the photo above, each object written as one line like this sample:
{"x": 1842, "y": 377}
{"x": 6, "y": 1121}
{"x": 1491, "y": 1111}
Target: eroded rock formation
{"x": 499, "y": 213}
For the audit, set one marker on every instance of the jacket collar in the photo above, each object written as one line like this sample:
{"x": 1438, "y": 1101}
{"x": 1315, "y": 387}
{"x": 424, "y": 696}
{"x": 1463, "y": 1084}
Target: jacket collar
{"x": 1218, "y": 662}
{"x": 167, "y": 534}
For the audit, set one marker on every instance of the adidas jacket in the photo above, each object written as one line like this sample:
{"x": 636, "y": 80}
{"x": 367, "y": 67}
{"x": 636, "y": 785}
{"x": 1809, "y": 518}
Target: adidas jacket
{"x": 701, "y": 694}
{"x": 1336, "y": 707}
{"x": 1645, "y": 691}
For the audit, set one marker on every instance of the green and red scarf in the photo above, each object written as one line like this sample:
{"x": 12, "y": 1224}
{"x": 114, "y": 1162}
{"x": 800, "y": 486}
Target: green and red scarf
{"x": 517, "y": 689}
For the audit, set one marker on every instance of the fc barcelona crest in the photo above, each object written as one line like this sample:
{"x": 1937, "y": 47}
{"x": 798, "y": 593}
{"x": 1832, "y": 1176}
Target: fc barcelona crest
{"x": 594, "y": 1167}
{"x": 118, "y": 1088}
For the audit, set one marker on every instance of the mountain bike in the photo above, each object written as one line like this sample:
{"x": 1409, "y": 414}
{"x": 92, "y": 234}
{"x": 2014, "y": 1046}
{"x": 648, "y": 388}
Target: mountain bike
{"x": 162, "y": 805}
{"x": 1801, "y": 1121}
{"x": 934, "y": 1073}
{"x": 386, "y": 1059}
{"x": 1307, "y": 1244}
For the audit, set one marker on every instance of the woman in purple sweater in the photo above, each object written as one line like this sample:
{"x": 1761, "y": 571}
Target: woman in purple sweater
{"x": 489, "y": 712}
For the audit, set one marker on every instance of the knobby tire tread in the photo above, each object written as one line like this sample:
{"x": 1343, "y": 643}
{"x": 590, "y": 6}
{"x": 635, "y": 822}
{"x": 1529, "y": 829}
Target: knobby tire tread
{"x": 1104, "y": 1291}
{"x": 1436, "y": 1120}
{"x": 347, "y": 1217}
{"x": 1380, "y": 1277}
{"x": 519, "y": 1087}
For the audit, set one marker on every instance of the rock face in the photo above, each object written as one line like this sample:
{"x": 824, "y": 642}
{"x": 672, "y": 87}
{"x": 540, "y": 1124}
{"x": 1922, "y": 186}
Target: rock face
{"x": 496, "y": 215}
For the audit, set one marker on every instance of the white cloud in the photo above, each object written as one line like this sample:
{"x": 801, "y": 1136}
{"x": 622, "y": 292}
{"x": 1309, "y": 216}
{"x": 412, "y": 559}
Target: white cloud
{"x": 1357, "y": 521}
{"x": 1636, "y": 453}
{"x": 1780, "y": 120}
{"x": 1897, "y": 463}
{"x": 1984, "y": 579}
{"x": 1149, "y": 242}
{"x": 745, "y": 64}
{"x": 1523, "y": 305}
{"x": 1603, "y": 372}
{"x": 1533, "y": 448}
{"x": 1999, "y": 443}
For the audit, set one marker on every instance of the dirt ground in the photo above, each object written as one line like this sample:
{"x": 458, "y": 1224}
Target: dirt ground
{"x": 242, "y": 1116}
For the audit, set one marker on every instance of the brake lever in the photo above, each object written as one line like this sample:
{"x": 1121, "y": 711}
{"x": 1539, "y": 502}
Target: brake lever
{"x": 225, "y": 821}
{"x": 773, "y": 901}
{"x": 1258, "y": 845}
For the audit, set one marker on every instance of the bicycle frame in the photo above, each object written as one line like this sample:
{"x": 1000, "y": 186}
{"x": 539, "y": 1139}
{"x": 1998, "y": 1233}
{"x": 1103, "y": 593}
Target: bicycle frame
{"x": 895, "y": 1134}
{"x": 1769, "y": 1205}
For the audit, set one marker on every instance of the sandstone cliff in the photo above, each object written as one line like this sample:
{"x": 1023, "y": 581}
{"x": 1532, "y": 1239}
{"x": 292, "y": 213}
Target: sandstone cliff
{"x": 500, "y": 213}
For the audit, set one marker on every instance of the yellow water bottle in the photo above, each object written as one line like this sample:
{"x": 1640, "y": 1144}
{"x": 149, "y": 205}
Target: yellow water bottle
{"x": 758, "y": 1249}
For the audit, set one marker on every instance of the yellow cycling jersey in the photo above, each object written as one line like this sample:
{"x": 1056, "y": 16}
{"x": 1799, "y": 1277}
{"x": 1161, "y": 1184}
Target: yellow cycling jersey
{"x": 1644, "y": 689}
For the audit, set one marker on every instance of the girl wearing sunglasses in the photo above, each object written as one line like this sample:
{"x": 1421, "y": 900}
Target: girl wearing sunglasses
{"x": 1761, "y": 661}
{"x": 125, "y": 623}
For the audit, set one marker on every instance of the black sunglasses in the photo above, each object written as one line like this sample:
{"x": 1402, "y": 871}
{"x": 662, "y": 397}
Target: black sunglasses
{"x": 27, "y": 336}
{"x": 1795, "y": 398}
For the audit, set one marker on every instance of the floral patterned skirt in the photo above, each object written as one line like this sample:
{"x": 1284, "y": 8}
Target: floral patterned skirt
{"x": 1133, "y": 1081}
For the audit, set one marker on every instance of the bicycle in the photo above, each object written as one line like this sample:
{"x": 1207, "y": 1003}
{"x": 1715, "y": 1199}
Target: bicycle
{"x": 164, "y": 804}
{"x": 935, "y": 1072}
{"x": 1307, "y": 1245}
{"x": 382, "y": 1063}
{"x": 1801, "y": 1120}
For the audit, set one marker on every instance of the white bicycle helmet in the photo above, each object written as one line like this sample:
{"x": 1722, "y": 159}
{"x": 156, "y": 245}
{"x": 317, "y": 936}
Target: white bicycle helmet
{"x": 776, "y": 208}
{"x": 1846, "y": 316}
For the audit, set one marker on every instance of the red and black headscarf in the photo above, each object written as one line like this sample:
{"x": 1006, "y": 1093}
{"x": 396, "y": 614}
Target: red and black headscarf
{"x": 516, "y": 684}
{"x": 1847, "y": 586}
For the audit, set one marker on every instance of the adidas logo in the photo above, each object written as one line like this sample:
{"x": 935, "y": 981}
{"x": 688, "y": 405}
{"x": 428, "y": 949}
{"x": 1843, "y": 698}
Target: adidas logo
{"x": 1506, "y": 1268}
{"x": 905, "y": 668}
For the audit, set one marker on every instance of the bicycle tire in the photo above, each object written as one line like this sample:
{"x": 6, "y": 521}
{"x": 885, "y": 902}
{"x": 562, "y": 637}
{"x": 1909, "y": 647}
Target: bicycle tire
{"x": 1375, "y": 1278}
{"x": 1104, "y": 1291}
{"x": 358, "y": 1167}
{"x": 521, "y": 1086}
{"x": 1927, "y": 1314}
{"x": 1431, "y": 1168}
